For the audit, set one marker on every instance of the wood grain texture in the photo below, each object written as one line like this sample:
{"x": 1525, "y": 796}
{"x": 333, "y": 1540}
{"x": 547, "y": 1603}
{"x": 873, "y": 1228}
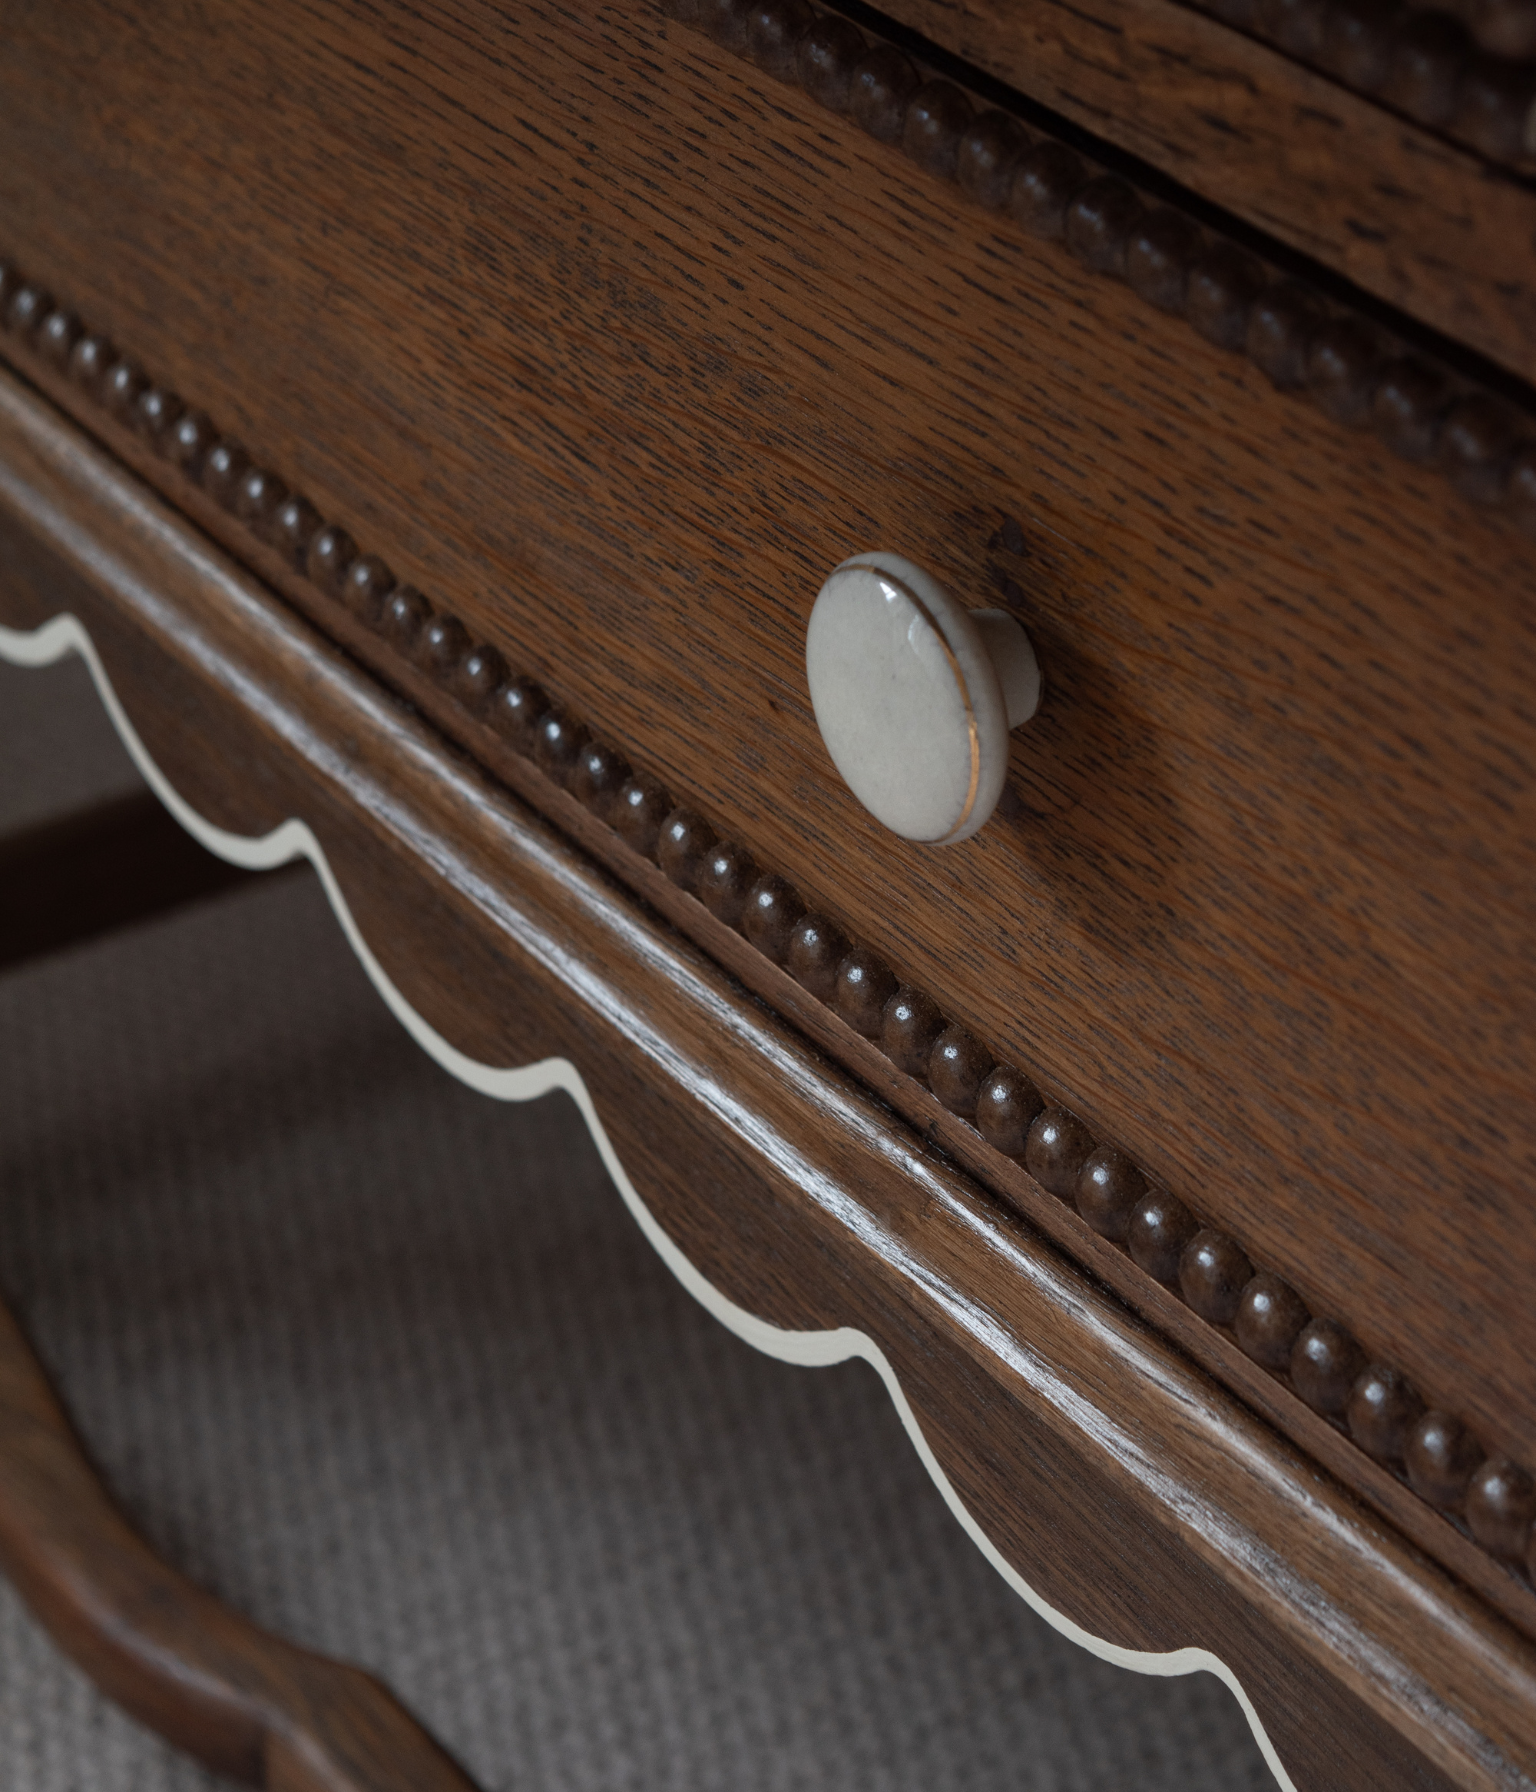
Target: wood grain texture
{"x": 1129, "y": 1489}
{"x": 88, "y": 873}
{"x": 1419, "y": 222}
{"x": 1260, "y": 910}
{"x": 244, "y": 1703}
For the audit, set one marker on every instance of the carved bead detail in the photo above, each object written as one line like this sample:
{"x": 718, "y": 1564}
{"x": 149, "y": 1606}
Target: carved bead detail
{"x": 1223, "y": 283}
{"x": 988, "y": 154}
{"x": 442, "y": 647}
{"x": 769, "y": 918}
{"x": 774, "y": 30}
{"x": 1343, "y": 365}
{"x": 1160, "y": 1227}
{"x": 684, "y": 837}
{"x": 57, "y": 336}
{"x": 514, "y": 713}
{"x": 816, "y": 949}
{"x": 1108, "y": 1187}
{"x": 293, "y": 528}
{"x": 1440, "y": 1455}
{"x": 224, "y": 466}
{"x": 1045, "y": 182}
{"x": 724, "y": 877}
{"x": 1212, "y": 1275}
{"x": 364, "y": 585}
{"x": 826, "y": 58}
{"x": 1325, "y": 1364}
{"x": 1477, "y": 440}
{"x": 404, "y": 615}
{"x": 1099, "y": 223}
{"x": 956, "y": 1066}
{"x": 1158, "y": 254}
{"x": 89, "y": 360}
{"x": 257, "y": 498}
{"x": 1057, "y": 1147}
{"x": 1269, "y": 1319}
{"x": 1501, "y": 1506}
{"x": 864, "y": 985}
{"x": 120, "y": 388}
{"x": 1383, "y": 1408}
{"x": 1280, "y": 327}
{"x": 481, "y": 673}
{"x": 642, "y": 806}
{"x": 937, "y": 117}
{"x": 330, "y": 554}
{"x": 187, "y": 442}
{"x": 908, "y": 1028}
{"x": 28, "y": 306}
{"x": 599, "y": 775}
{"x": 1006, "y": 1106}
{"x": 1410, "y": 399}
{"x": 880, "y": 92}
{"x": 557, "y": 741}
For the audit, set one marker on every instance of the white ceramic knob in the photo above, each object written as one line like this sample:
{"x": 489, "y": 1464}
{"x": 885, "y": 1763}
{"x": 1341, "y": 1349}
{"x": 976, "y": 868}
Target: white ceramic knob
{"x": 915, "y": 695}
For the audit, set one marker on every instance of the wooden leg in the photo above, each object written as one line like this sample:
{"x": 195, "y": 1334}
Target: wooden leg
{"x": 88, "y": 873}
{"x": 245, "y": 1703}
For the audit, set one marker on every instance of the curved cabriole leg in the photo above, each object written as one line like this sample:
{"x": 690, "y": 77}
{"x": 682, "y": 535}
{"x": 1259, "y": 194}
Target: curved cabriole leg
{"x": 246, "y": 1704}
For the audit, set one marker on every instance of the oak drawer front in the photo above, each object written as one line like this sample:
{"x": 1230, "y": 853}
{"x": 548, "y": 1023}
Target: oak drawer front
{"x": 614, "y": 347}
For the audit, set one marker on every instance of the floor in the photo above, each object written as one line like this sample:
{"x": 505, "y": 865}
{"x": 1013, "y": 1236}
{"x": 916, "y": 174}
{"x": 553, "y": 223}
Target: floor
{"x": 388, "y": 1366}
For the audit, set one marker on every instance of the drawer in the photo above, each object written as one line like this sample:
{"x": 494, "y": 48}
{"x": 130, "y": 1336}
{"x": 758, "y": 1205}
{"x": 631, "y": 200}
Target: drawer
{"x": 613, "y": 344}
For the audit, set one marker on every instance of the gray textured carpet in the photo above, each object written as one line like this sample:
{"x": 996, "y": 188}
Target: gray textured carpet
{"x": 388, "y": 1366}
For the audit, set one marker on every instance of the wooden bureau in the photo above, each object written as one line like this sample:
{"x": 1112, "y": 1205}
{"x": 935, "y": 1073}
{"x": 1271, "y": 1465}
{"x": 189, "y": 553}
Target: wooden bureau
{"x": 440, "y": 422}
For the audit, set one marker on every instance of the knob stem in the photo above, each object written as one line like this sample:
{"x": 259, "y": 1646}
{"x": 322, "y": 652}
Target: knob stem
{"x": 1013, "y": 660}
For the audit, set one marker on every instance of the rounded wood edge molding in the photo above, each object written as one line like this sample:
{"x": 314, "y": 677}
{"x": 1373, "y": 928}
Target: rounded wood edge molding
{"x": 1315, "y": 1358}
{"x": 1355, "y": 371}
{"x": 1463, "y": 71}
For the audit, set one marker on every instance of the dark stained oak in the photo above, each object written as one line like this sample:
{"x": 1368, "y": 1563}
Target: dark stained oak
{"x": 244, "y": 1703}
{"x": 1128, "y": 1487}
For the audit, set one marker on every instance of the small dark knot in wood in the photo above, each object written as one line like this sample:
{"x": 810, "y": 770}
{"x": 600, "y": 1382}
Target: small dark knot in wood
{"x": 681, "y": 843}
{"x": 405, "y": 614}
{"x": 816, "y": 948}
{"x": 988, "y": 154}
{"x": 514, "y": 714}
{"x": 1049, "y": 176}
{"x": 557, "y": 742}
{"x": 938, "y": 116}
{"x": 1281, "y": 324}
{"x": 28, "y": 306}
{"x": 1477, "y": 439}
{"x": 442, "y": 647}
{"x": 89, "y": 360}
{"x": 1270, "y": 1317}
{"x": 1212, "y": 1275}
{"x": 294, "y": 526}
{"x": 1223, "y": 283}
{"x": 1006, "y": 1107}
{"x": 1100, "y": 221}
{"x": 865, "y": 984}
{"x": 1424, "y": 67}
{"x": 774, "y": 31}
{"x": 908, "y": 1028}
{"x": 601, "y": 773}
{"x": 1501, "y": 1507}
{"x": 1383, "y": 1408}
{"x": 1440, "y": 1456}
{"x": 1325, "y": 1364}
{"x": 880, "y": 91}
{"x": 1410, "y": 399}
{"x": 330, "y": 554}
{"x": 768, "y": 919}
{"x": 57, "y": 336}
{"x": 1161, "y": 1225}
{"x": 224, "y": 466}
{"x": 257, "y": 498}
{"x": 827, "y": 56}
{"x": 725, "y": 875}
{"x": 156, "y": 412}
{"x": 186, "y": 444}
{"x": 1108, "y": 1187}
{"x": 481, "y": 674}
{"x": 1158, "y": 254}
{"x": 1343, "y": 366}
{"x": 1056, "y": 1150}
{"x": 365, "y": 585}
{"x": 957, "y": 1066}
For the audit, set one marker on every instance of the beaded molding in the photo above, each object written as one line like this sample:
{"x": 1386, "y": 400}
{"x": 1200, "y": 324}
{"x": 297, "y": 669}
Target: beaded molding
{"x": 1426, "y": 64}
{"x": 1356, "y": 372}
{"x": 1429, "y": 1450}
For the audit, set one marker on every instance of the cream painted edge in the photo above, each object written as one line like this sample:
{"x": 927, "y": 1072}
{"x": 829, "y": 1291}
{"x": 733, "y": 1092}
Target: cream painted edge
{"x": 54, "y": 640}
